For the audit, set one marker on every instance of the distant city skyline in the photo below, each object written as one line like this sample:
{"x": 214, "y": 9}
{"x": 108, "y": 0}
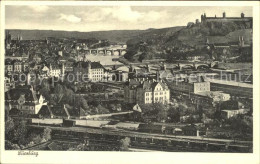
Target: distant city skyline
{"x": 105, "y": 18}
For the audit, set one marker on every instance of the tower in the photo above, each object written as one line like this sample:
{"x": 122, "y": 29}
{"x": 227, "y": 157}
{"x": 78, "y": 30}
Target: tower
{"x": 203, "y": 18}
{"x": 18, "y": 37}
{"x": 157, "y": 76}
{"x": 241, "y": 41}
{"x": 89, "y": 70}
{"x": 8, "y": 37}
{"x": 7, "y": 40}
{"x": 242, "y": 15}
{"x": 63, "y": 70}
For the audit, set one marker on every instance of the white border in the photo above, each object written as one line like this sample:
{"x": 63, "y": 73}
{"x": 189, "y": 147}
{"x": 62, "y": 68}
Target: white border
{"x": 151, "y": 157}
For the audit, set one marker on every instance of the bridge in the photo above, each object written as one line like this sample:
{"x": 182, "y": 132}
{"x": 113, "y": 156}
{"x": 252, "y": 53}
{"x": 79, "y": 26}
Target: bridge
{"x": 185, "y": 65}
{"x": 106, "y": 51}
{"x": 182, "y": 66}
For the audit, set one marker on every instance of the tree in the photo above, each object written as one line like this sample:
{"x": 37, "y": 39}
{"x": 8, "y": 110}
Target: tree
{"x": 112, "y": 107}
{"x": 154, "y": 112}
{"x": 68, "y": 95}
{"x": 46, "y": 135}
{"x": 174, "y": 115}
{"x": 10, "y": 146}
{"x": 102, "y": 110}
{"x": 58, "y": 93}
{"x": 9, "y": 125}
{"x": 20, "y": 133}
{"x": 45, "y": 88}
{"x": 124, "y": 144}
{"x": 35, "y": 138}
{"x": 83, "y": 103}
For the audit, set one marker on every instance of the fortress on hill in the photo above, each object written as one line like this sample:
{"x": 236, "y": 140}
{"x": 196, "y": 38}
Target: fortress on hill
{"x": 241, "y": 19}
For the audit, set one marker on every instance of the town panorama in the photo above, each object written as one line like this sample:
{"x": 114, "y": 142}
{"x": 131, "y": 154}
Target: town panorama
{"x": 177, "y": 89}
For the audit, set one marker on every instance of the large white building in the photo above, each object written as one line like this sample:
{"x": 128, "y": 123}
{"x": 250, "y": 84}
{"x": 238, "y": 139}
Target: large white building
{"x": 94, "y": 71}
{"x": 146, "y": 91}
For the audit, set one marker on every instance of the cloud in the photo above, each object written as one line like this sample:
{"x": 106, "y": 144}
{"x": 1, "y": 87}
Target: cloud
{"x": 153, "y": 16}
{"x": 122, "y": 14}
{"x": 70, "y": 18}
{"x": 126, "y": 14}
{"x": 39, "y": 8}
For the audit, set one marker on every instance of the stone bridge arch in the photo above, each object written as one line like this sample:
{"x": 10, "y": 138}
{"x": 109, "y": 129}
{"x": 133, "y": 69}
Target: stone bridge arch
{"x": 197, "y": 66}
{"x": 188, "y": 65}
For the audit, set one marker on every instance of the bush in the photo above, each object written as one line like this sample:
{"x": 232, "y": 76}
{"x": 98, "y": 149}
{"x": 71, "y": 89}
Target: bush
{"x": 124, "y": 144}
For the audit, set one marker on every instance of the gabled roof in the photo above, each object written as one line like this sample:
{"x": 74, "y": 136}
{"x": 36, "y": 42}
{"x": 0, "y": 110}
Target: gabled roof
{"x": 14, "y": 111}
{"x": 45, "y": 111}
{"x": 164, "y": 86}
{"x": 58, "y": 110}
{"x": 14, "y": 94}
{"x": 72, "y": 111}
{"x": 96, "y": 65}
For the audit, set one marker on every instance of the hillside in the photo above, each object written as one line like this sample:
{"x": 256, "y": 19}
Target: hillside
{"x": 120, "y": 36}
{"x": 180, "y": 41}
{"x": 149, "y": 44}
{"x": 216, "y": 32}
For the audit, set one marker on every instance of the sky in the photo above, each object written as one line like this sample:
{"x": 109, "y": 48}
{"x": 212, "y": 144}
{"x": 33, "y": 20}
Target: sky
{"x": 104, "y": 18}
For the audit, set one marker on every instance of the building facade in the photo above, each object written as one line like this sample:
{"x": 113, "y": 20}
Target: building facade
{"x": 224, "y": 18}
{"x": 191, "y": 85}
{"x": 146, "y": 91}
{"x": 24, "y": 99}
{"x": 87, "y": 70}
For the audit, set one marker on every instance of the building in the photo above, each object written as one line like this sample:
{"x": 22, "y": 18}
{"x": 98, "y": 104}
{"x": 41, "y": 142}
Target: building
{"x": 8, "y": 39}
{"x": 209, "y": 99}
{"x": 234, "y": 88}
{"x": 240, "y": 43}
{"x": 24, "y": 99}
{"x": 8, "y": 84}
{"x": 231, "y": 113}
{"x": 16, "y": 66}
{"x": 190, "y": 84}
{"x": 224, "y": 18}
{"x": 17, "y": 56}
{"x": 87, "y": 70}
{"x": 146, "y": 91}
{"x": 54, "y": 71}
